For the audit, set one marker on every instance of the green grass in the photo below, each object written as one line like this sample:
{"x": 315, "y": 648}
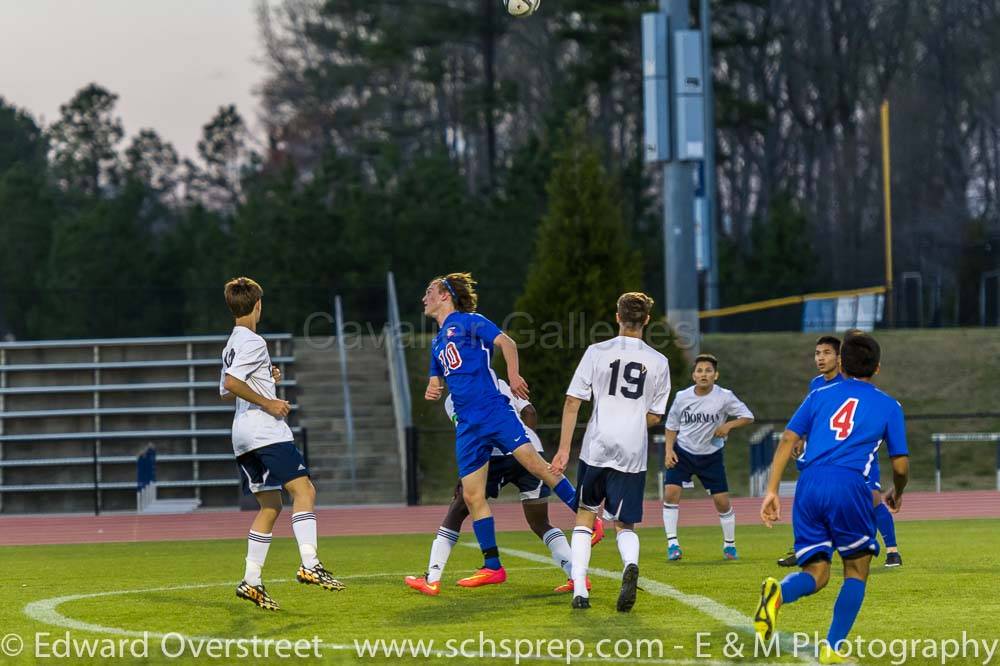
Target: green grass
{"x": 946, "y": 586}
{"x": 930, "y": 371}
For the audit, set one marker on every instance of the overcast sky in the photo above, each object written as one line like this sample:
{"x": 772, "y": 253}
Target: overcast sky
{"x": 172, "y": 62}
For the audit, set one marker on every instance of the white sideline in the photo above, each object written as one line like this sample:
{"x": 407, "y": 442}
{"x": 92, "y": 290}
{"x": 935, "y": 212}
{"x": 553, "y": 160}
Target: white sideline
{"x": 46, "y": 612}
{"x": 724, "y": 614}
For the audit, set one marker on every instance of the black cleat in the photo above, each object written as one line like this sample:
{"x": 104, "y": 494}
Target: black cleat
{"x": 630, "y": 582}
{"x": 318, "y": 576}
{"x": 789, "y": 560}
{"x": 893, "y": 560}
{"x": 581, "y": 602}
{"x": 256, "y": 594}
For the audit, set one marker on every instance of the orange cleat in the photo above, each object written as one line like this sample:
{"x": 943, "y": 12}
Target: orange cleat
{"x": 598, "y": 534}
{"x": 568, "y": 586}
{"x": 420, "y": 584}
{"x": 484, "y": 577}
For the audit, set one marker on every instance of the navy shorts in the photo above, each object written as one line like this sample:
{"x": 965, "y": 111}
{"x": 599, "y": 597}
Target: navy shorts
{"x": 710, "y": 470}
{"x": 833, "y": 511}
{"x": 474, "y": 441}
{"x": 621, "y": 492}
{"x": 271, "y": 467}
{"x": 505, "y": 470}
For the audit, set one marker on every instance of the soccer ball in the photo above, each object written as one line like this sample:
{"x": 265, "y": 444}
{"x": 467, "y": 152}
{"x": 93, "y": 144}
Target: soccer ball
{"x": 522, "y": 8}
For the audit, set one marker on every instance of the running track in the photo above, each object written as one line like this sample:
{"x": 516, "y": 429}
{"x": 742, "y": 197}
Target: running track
{"x": 345, "y": 521}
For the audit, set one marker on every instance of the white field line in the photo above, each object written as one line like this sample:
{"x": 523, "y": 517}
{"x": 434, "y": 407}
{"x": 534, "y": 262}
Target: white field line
{"x": 46, "y": 612}
{"x": 710, "y": 607}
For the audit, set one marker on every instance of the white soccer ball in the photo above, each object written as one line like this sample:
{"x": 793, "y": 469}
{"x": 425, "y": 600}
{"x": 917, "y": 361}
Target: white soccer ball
{"x": 522, "y": 8}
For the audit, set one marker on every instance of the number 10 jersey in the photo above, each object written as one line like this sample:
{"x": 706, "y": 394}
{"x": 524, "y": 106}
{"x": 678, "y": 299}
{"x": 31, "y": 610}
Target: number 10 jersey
{"x": 626, "y": 379}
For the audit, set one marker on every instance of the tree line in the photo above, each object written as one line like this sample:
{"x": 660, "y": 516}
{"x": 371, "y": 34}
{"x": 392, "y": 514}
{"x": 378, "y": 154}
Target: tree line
{"x": 421, "y": 137}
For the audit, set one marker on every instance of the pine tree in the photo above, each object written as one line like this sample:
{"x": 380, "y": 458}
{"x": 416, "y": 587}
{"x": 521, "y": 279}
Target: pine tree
{"x": 582, "y": 264}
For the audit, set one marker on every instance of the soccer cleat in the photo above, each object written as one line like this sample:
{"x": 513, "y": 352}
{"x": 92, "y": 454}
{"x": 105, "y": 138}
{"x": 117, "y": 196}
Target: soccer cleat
{"x": 598, "y": 534}
{"x": 827, "y": 655}
{"x": 766, "y": 618}
{"x": 789, "y": 559}
{"x": 317, "y": 575}
{"x": 674, "y": 553}
{"x": 568, "y": 586}
{"x": 420, "y": 584}
{"x": 484, "y": 577}
{"x": 630, "y": 582}
{"x": 893, "y": 559}
{"x": 729, "y": 553}
{"x": 256, "y": 594}
{"x": 581, "y": 602}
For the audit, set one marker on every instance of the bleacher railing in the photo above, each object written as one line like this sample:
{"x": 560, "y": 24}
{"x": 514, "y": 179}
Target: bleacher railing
{"x": 38, "y": 397}
{"x": 402, "y": 405}
{"x": 940, "y": 438}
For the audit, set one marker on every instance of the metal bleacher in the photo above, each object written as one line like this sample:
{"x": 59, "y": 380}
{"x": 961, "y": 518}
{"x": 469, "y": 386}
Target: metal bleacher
{"x": 74, "y": 414}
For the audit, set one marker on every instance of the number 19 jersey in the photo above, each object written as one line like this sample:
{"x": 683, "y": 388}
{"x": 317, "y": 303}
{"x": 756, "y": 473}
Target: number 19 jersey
{"x": 626, "y": 379}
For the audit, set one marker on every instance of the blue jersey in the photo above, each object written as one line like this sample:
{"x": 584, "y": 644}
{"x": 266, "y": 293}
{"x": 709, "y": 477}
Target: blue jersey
{"x": 845, "y": 422}
{"x": 819, "y": 381}
{"x": 461, "y": 353}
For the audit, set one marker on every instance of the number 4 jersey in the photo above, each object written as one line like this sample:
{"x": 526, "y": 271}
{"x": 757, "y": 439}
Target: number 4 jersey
{"x": 626, "y": 379}
{"x": 844, "y": 424}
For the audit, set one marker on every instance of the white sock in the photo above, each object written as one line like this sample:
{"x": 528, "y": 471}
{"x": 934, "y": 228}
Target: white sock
{"x": 728, "y": 522}
{"x": 559, "y": 547}
{"x": 581, "y": 560}
{"x": 440, "y": 552}
{"x": 257, "y": 545}
{"x": 304, "y": 526}
{"x": 628, "y": 547}
{"x": 670, "y": 515}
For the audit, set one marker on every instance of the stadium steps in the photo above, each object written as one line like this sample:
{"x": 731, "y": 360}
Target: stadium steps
{"x": 377, "y": 471}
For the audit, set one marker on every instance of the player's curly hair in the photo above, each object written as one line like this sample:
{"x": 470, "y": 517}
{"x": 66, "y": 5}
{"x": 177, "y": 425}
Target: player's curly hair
{"x": 462, "y": 289}
{"x": 633, "y": 308}
{"x": 242, "y": 295}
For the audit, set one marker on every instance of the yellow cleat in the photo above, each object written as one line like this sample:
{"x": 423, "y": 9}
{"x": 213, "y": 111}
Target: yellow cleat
{"x": 827, "y": 655}
{"x": 765, "y": 620}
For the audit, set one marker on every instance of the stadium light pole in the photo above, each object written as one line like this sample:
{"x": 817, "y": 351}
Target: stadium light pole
{"x": 890, "y": 300}
{"x": 680, "y": 269}
{"x": 711, "y": 209}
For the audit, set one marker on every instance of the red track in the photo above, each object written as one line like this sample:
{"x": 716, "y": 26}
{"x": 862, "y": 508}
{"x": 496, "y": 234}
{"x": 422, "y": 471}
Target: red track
{"x": 76, "y": 528}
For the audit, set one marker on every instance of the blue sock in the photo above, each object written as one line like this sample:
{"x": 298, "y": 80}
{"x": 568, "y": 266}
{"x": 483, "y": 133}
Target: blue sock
{"x": 845, "y": 611}
{"x": 797, "y": 585}
{"x": 486, "y": 534}
{"x": 886, "y": 525}
{"x": 567, "y": 493}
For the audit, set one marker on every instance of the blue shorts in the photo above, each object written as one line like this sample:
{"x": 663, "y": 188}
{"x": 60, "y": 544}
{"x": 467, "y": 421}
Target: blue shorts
{"x": 874, "y": 478}
{"x": 833, "y": 510}
{"x": 271, "y": 467}
{"x": 621, "y": 492}
{"x": 474, "y": 441}
{"x": 710, "y": 470}
{"x": 505, "y": 470}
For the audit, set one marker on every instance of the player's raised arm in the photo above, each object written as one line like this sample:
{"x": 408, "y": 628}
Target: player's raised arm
{"x": 508, "y": 348}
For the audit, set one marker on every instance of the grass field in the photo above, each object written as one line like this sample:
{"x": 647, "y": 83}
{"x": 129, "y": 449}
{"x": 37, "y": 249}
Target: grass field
{"x": 930, "y": 371}
{"x": 117, "y": 591}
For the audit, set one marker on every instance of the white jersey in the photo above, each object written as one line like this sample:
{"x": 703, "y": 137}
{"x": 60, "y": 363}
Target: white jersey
{"x": 517, "y": 403}
{"x": 695, "y": 418}
{"x": 245, "y": 357}
{"x": 627, "y": 379}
